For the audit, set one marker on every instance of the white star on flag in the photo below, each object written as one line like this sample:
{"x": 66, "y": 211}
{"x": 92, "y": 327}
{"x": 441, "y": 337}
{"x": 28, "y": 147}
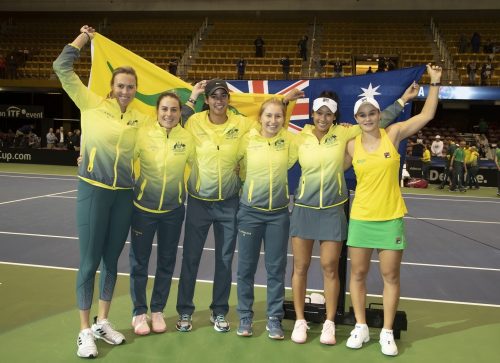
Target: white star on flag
{"x": 370, "y": 92}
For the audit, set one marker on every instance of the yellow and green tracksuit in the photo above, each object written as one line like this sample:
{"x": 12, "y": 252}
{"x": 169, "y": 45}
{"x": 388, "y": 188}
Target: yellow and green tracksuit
{"x": 159, "y": 209}
{"x": 162, "y": 161}
{"x": 322, "y": 184}
{"x": 213, "y": 188}
{"x": 104, "y": 202}
{"x": 266, "y": 162}
{"x": 263, "y": 217}
{"x": 212, "y": 176}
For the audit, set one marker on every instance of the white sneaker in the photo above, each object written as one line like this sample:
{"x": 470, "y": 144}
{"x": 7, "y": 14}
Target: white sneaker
{"x": 86, "y": 344}
{"x": 104, "y": 330}
{"x": 299, "y": 334}
{"x": 387, "y": 342}
{"x": 359, "y": 335}
{"x": 328, "y": 333}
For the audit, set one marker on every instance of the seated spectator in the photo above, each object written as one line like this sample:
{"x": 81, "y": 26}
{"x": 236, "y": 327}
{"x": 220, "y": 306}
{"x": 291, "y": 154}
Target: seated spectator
{"x": 437, "y": 147}
{"x": 471, "y": 72}
{"x": 51, "y": 139}
{"x": 486, "y": 73}
{"x": 475, "y": 42}
{"x": 33, "y": 141}
{"x": 285, "y": 65}
{"x": 172, "y": 66}
{"x": 338, "y": 67}
{"x": 240, "y": 67}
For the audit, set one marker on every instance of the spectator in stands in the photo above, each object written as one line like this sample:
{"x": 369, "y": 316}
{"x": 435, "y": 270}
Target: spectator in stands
{"x": 391, "y": 65}
{"x": 426, "y": 162}
{"x": 62, "y": 138}
{"x": 158, "y": 209}
{"x": 447, "y": 171}
{"x": 263, "y": 216}
{"x": 76, "y": 139}
{"x": 488, "y": 47}
{"x": 457, "y": 164}
{"x": 475, "y": 42}
{"x": 11, "y": 135}
{"x": 259, "y": 47}
{"x": 11, "y": 66}
{"x": 104, "y": 204}
{"x": 369, "y": 70}
{"x": 472, "y": 168}
{"x": 418, "y": 149}
{"x": 338, "y": 67}
{"x": 497, "y": 163}
{"x": 2, "y": 66}
{"x": 437, "y": 146}
{"x": 302, "y": 45}
{"x": 381, "y": 65}
{"x": 483, "y": 128}
{"x": 471, "y": 72}
{"x": 486, "y": 73}
{"x": 69, "y": 141}
{"x": 285, "y": 66}
{"x": 378, "y": 208}
{"x": 51, "y": 139}
{"x": 318, "y": 213}
{"x": 463, "y": 43}
{"x": 33, "y": 140}
{"x": 240, "y": 67}
{"x": 172, "y": 66}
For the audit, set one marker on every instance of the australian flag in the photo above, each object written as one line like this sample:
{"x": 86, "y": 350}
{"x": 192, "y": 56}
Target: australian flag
{"x": 385, "y": 87}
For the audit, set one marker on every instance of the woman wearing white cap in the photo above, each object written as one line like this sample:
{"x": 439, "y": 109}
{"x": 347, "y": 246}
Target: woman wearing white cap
{"x": 376, "y": 220}
{"x": 319, "y": 205}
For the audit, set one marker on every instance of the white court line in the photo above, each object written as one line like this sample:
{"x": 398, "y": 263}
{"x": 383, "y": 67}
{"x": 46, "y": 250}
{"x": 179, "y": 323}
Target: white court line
{"x": 60, "y": 196}
{"x": 458, "y": 200}
{"x": 18, "y": 173}
{"x": 35, "y": 177}
{"x": 452, "y": 196}
{"x": 233, "y": 283}
{"x": 262, "y": 253}
{"x": 37, "y": 197}
{"x": 450, "y": 220}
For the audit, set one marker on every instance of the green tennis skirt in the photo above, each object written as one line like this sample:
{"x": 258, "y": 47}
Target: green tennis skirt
{"x": 385, "y": 235}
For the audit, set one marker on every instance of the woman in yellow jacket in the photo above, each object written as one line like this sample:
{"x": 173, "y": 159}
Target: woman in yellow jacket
{"x": 104, "y": 202}
{"x": 376, "y": 220}
{"x": 163, "y": 150}
{"x": 267, "y": 152}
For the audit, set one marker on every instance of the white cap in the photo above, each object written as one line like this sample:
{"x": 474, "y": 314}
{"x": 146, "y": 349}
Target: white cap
{"x": 438, "y": 137}
{"x": 363, "y": 100}
{"x": 325, "y": 101}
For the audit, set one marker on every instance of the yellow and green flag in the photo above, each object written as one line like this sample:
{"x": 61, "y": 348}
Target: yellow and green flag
{"x": 152, "y": 80}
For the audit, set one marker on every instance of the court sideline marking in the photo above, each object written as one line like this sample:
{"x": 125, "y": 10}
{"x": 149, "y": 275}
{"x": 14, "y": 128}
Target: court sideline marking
{"x": 37, "y": 197}
{"x": 262, "y": 253}
{"x": 233, "y": 283}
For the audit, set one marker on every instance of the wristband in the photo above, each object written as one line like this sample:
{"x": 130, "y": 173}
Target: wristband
{"x": 193, "y": 101}
{"x": 435, "y": 84}
{"x": 88, "y": 36}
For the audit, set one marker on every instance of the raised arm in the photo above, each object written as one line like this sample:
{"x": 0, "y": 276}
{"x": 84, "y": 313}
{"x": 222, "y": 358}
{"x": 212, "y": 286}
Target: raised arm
{"x": 411, "y": 126}
{"x": 187, "y": 109}
{"x": 393, "y": 111}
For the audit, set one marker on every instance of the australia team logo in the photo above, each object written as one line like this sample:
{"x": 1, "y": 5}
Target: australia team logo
{"x": 232, "y": 133}
{"x": 179, "y": 147}
{"x": 331, "y": 140}
{"x": 279, "y": 144}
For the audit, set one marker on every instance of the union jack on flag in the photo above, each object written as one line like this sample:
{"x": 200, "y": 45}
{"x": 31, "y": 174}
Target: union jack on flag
{"x": 300, "y": 114}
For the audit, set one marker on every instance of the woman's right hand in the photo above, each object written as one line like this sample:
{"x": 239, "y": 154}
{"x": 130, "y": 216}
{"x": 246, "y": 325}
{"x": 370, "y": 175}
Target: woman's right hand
{"x": 88, "y": 30}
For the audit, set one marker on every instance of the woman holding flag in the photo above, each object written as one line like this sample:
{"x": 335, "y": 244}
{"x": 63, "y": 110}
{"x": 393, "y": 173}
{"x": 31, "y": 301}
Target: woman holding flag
{"x": 376, "y": 220}
{"x": 104, "y": 202}
{"x": 318, "y": 212}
